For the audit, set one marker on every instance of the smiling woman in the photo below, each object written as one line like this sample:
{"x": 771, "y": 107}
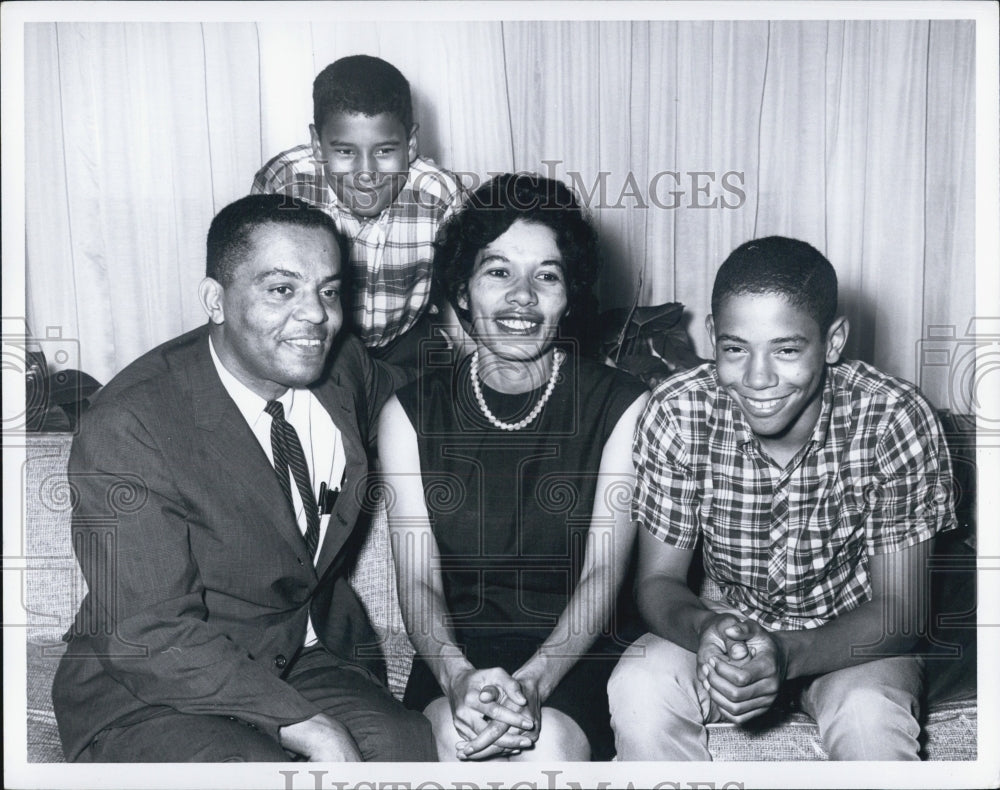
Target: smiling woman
{"x": 516, "y": 298}
{"x": 523, "y": 451}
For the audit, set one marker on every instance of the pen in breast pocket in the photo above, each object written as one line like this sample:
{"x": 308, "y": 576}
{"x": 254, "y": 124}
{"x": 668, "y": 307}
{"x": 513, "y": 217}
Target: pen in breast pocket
{"x": 322, "y": 497}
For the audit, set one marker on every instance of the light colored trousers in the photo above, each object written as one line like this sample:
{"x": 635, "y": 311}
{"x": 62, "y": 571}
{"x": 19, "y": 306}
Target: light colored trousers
{"x": 659, "y": 709}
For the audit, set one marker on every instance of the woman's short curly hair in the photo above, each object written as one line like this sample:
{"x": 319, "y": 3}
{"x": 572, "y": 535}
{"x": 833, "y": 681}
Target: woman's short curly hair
{"x": 489, "y": 212}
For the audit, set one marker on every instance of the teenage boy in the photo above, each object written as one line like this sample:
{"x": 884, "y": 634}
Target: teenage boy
{"x": 362, "y": 168}
{"x": 816, "y": 486}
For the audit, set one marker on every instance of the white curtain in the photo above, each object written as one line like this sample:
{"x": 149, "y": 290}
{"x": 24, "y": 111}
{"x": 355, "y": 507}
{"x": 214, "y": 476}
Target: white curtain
{"x": 685, "y": 138}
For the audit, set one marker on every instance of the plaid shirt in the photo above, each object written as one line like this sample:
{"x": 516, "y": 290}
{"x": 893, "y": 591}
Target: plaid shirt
{"x": 390, "y": 254}
{"x": 789, "y": 547}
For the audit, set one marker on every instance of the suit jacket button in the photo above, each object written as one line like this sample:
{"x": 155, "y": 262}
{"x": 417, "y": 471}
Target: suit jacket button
{"x": 280, "y": 661}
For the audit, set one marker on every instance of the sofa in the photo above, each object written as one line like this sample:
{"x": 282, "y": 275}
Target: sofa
{"x": 53, "y": 587}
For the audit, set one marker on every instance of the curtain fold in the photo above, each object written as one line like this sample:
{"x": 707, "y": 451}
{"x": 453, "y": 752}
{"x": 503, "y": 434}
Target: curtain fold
{"x": 684, "y": 139}
{"x": 949, "y": 199}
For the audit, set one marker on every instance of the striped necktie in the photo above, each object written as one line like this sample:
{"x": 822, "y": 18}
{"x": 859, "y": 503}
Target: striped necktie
{"x": 288, "y": 455}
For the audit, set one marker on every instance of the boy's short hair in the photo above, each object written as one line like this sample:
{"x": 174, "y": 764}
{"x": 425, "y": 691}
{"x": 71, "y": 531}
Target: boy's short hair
{"x": 364, "y": 85}
{"x": 230, "y": 236}
{"x": 779, "y": 265}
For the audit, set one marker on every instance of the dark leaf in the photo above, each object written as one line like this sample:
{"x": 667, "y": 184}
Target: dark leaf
{"x": 643, "y": 321}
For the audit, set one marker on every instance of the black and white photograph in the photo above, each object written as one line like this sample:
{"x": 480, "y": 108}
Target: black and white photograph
{"x": 500, "y": 395}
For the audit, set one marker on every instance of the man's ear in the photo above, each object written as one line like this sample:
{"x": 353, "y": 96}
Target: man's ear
{"x": 412, "y": 143}
{"x": 710, "y": 328}
{"x": 210, "y": 293}
{"x": 462, "y": 298}
{"x": 314, "y": 139}
{"x": 836, "y": 339}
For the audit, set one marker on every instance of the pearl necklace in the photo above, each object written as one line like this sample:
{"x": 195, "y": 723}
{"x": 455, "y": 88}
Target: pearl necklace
{"x": 557, "y": 360}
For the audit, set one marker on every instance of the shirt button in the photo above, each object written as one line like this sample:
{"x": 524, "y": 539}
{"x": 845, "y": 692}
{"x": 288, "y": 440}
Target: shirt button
{"x": 280, "y": 661}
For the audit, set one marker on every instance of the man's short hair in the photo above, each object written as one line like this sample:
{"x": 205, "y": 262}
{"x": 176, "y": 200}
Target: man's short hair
{"x": 230, "y": 236}
{"x": 364, "y": 85}
{"x": 490, "y": 211}
{"x": 779, "y": 265}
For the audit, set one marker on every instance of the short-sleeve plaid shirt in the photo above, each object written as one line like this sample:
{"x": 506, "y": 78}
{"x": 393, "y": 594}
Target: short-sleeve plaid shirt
{"x": 390, "y": 254}
{"x": 789, "y": 547}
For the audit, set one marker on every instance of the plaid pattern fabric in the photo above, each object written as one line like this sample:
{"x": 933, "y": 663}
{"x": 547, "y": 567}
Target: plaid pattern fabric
{"x": 788, "y": 547}
{"x": 390, "y": 254}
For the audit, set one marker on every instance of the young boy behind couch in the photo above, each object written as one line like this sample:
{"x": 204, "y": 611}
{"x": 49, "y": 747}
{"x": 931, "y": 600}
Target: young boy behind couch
{"x": 362, "y": 168}
{"x": 817, "y": 486}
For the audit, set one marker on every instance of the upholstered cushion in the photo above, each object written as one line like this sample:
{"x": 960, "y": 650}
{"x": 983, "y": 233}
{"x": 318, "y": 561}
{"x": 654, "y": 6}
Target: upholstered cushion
{"x": 374, "y": 580}
{"x": 44, "y": 745}
{"x": 54, "y": 588}
{"x": 949, "y": 734}
{"x": 53, "y": 585}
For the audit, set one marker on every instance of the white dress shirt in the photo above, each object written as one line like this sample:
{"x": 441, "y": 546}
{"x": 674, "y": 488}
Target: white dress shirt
{"x": 320, "y": 439}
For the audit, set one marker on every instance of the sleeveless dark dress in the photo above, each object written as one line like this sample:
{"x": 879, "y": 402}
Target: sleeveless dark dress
{"x": 510, "y": 511}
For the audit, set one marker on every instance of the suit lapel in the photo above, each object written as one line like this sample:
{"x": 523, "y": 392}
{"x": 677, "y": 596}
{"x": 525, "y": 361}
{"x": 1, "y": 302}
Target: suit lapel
{"x": 339, "y": 402}
{"x": 230, "y": 440}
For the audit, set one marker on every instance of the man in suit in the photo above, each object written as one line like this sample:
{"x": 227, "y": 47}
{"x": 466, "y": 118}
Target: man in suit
{"x": 219, "y": 481}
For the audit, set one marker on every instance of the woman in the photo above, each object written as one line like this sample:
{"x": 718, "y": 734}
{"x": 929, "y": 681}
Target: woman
{"x": 509, "y": 481}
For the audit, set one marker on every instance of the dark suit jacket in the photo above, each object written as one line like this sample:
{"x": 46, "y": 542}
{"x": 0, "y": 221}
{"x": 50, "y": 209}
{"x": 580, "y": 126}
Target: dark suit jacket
{"x": 198, "y": 576}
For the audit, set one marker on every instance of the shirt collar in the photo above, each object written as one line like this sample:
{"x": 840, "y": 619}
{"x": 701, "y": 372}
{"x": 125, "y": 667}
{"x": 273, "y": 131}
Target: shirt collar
{"x": 250, "y": 404}
{"x": 822, "y": 427}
